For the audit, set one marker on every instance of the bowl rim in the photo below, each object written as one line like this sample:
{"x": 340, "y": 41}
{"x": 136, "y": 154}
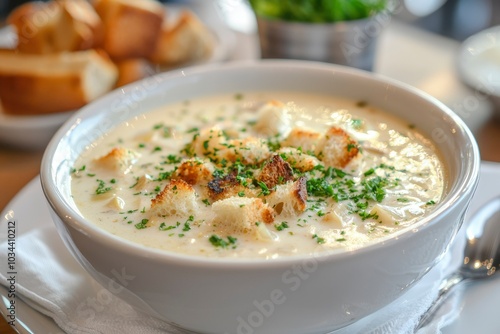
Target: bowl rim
{"x": 63, "y": 209}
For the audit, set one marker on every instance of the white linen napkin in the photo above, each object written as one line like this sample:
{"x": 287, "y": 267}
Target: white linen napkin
{"x": 51, "y": 281}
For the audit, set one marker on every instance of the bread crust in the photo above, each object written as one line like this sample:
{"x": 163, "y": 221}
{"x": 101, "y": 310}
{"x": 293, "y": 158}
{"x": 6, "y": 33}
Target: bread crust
{"x": 66, "y": 84}
{"x": 131, "y": 29}
{"x": 188, "y": 40}
{"x": 56, "y": 26}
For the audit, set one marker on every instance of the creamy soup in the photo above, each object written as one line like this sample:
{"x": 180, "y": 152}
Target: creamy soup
{"x": 259, "y": 175}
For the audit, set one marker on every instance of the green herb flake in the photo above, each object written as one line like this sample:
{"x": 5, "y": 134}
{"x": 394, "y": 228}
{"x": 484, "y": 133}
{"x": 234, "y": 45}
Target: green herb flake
{"x": 319, "y": 240}
{"x": 102, "y": 188}
{"x": 282, "y": 226}
{"x": 357, "y": 124}
{"x": 142, "y": 224}
{"x": 164, "y": 227}
{"x": 264, "y": 189}
{"x": 217, "y": 241}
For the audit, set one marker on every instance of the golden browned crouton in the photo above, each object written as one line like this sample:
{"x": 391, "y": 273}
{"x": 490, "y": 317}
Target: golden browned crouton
{"x": 118, "y": 159}
{"x": 177, "y": 199}
{"x": 210, "y": 143}
{"x": 195, "y": 172}
{"x": 249, "y": 150}
{"x": 272, "y": 119}
{"x": 275, "y": 171}
{"x": 228, "y": 186}
{"x": 306, "y": 140}
{"x": 289, "y": 199}
{"x": 298, "y": 159}
{"x": 336, "y": 148}
{"x": 241, "y": 215}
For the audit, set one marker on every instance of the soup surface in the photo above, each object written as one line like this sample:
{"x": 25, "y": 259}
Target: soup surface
{"x": 259, "y": 175}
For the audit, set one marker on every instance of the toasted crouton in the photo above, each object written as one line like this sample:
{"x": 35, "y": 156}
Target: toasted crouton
{"x": 195, "y": 172}
{"x": 298, "y": 159}
{"x": 289, "y": 199}
{"x": 336, "y": 148}
{"x": 177, "y": 199}
{"x": 272, "y": 119}
{"x": 187, "y": 41}
{"x": 228, "y": 186}
{"x": 249, "y": 150}
{"x": 210, "y": 143}
{"x": 118, "y": 159}
{"x": 306, "y": 140}
{"x": 131, "y": 27}
{"x": 241, "y": 215}
{"x": 275, "y": 171}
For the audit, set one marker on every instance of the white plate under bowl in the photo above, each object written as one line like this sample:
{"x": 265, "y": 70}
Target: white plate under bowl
{"x": 29, "y": 132}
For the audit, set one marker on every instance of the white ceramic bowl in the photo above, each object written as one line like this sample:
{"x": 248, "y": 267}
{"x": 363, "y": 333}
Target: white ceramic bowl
{"x": 302, "y": 294}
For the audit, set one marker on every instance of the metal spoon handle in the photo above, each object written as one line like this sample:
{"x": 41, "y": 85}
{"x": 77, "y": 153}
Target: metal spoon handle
{"x": 446, "y": 286}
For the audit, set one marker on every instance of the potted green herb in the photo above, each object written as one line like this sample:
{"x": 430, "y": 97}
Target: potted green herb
{"x": 337, "y": 31}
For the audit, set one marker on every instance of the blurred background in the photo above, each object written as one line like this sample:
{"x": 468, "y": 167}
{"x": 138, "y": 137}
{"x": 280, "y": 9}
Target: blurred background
{"x": 457, "y": 19}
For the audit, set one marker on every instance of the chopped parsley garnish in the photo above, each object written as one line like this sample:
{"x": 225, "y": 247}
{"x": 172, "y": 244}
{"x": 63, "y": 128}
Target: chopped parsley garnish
{"x": 357, "y": 123}
{"x": 431, "y": 202}
{"x": 264, "y": 189}
{"x": 282, "y": 226}
{"x": 217, "y": 241}
{"x": 164, "y": 227}
{"x": 102, "y": 188}
{"x": 369, "y": 172}
{"x": 187, "y": 226}
{"x": 319, "y": 240}
{"x": 163, "y": 176}
{"x": 351, "y": 147}
{"x": 81, "y": 169}
{"x": 173, "y": 159}
{"x": 142, "y": 224}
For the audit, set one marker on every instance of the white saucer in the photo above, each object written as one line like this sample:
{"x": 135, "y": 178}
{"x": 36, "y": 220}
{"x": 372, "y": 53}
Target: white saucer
{"x": 478, "y": 307}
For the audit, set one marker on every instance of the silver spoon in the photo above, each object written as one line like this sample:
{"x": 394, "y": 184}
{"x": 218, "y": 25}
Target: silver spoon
{"x": 481, "y": 255}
